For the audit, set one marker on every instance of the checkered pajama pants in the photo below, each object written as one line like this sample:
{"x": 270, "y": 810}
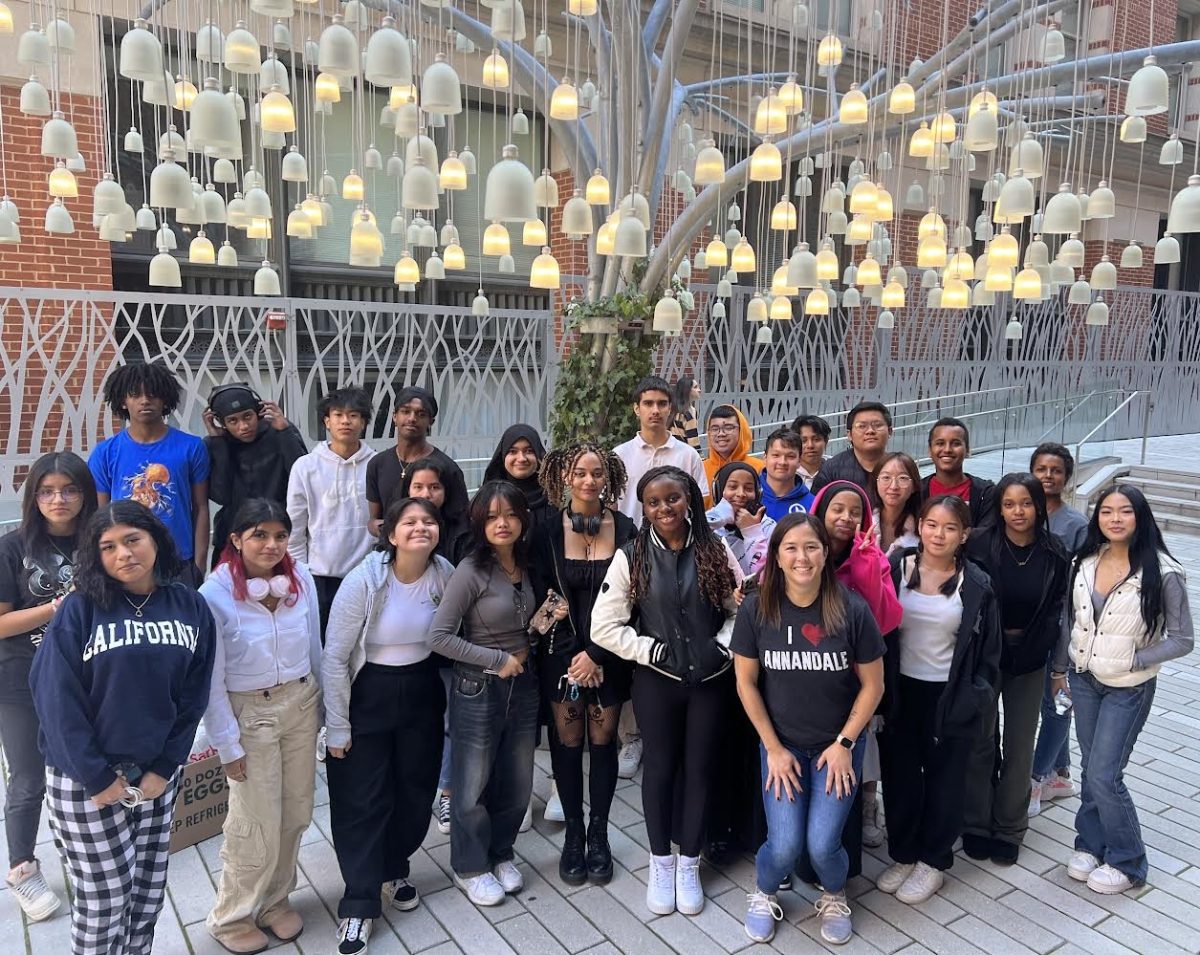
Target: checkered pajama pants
{"x": 117, "y": 861}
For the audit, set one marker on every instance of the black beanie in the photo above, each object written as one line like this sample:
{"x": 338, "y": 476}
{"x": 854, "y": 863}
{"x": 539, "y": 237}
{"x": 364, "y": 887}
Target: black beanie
{"x": 232, "y": 399}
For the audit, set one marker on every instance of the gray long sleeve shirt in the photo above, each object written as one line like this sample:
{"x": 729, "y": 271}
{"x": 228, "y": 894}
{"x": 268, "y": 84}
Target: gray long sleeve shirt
{"x": 493, "y": 612}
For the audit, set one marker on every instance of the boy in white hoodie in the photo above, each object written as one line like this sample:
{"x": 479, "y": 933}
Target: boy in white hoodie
{"x": 327, "y": 497}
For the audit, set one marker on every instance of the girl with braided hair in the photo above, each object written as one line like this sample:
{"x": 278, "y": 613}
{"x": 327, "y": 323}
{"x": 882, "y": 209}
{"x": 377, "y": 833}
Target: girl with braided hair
{"x": 584, "y": 684}
{"x": 667, "y": 603}
{"x": 942, "y": 689}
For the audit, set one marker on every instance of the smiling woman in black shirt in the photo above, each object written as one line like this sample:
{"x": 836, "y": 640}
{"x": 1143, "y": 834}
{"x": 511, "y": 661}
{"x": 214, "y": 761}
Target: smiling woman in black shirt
{"x": 37, "y": 562}
{"x": 809, "y": 662}
{"x": 1028, "y": 569}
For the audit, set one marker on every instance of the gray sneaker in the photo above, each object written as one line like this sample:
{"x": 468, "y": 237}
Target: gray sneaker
{"x": 762, "y": 912}
{"x": 836, "y": 927}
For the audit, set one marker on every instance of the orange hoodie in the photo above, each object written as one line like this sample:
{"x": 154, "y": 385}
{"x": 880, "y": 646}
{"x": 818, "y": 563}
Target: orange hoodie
{"x": 714, "y": 462}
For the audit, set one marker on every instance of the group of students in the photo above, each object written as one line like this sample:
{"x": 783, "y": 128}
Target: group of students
{"x": 792, "y": 647}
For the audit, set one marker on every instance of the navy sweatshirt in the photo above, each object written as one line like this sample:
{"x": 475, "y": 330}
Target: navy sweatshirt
{"x": 111, "y": 687}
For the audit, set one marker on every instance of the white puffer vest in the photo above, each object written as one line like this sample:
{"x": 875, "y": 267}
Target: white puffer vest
{"x": 1106, "y": 648}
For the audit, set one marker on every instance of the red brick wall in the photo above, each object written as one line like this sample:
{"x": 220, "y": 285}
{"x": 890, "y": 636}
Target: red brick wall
{"x": 77, "y": 261}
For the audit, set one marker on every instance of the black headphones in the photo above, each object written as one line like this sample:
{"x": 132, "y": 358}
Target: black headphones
{"x": 588, "y": 524}
{"x": 234, "y": 386}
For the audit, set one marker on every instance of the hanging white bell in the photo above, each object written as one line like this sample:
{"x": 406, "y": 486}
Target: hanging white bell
{"x": 294, "y": 167}
{"x": 1172, "y": 152}
{"x": 1166, "y": 250}
{"x": 542, "y": 46}
{"x": 141, "y": 53}
{"x": 35, "y": 99}
{"x": 388, "y": 60}
{"x": 1131, "y": 256}
{"x": 545, "y": 191}
{"x": 441, "y": 91}
{"x": 337, "y": 52}
{"x": 242, "y": 50}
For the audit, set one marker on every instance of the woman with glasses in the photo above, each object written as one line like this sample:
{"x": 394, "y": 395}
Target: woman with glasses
{"x": 895, "y": 492}
{"x": 37, "y": 563}
{"x": 494, "y": 698}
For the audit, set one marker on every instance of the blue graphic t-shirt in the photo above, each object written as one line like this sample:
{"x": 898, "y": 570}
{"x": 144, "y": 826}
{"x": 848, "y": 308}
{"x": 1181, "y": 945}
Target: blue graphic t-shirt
{"x": 159, "y": 475}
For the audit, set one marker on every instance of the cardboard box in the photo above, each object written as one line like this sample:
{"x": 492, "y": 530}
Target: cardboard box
{"x": 200, "y": 804}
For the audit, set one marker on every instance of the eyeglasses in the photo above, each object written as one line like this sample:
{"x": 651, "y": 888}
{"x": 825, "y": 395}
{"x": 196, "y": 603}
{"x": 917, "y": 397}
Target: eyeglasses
{"x": 864, "y": 426}
{"x": 722, "y": 429}
{"x": 900, "y": 480}
{"x": 68, "y": 494}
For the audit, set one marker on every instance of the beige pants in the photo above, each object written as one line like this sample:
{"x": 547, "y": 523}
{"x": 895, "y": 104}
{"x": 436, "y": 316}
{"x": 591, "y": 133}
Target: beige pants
{"x": 271, "y": 809}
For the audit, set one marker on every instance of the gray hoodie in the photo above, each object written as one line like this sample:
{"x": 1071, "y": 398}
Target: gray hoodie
{"x": 327, "y": 502}
{"x": 354, "y": 614}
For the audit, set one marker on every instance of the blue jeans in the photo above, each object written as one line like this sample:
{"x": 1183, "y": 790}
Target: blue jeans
{"x": 1107, "y": 722}
{"x": 1053, "y": 750}
{"x": 493, "y": 726}
{"x": 814, "y": 821}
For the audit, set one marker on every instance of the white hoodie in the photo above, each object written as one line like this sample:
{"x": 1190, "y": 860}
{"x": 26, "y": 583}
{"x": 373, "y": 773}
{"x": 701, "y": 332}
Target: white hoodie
{"x": 256, "y": 650}
{"x": 327, "y": 502}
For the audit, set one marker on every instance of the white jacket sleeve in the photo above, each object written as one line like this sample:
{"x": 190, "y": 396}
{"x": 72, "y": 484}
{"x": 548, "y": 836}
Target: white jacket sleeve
{"x": 725, "y": 634}
{"x": 314, "y": 623}
{"x": 612, "y": 613}
{"x": 347, "y": 626}
{"x": 297, "y": 508}
{"x": 219, "y": 722}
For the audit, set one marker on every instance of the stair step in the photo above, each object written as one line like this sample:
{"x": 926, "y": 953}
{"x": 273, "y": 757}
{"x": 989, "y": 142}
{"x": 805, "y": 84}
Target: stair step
{"x": 1175, "y": 490}
{"x": 1139, "y": 472}
{"x": 1169, "y": 505}
{"x": 1179, "y": 524}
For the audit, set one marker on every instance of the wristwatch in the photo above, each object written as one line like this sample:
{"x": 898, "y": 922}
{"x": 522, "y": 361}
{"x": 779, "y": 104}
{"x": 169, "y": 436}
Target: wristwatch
{"x": 845, "y": 741}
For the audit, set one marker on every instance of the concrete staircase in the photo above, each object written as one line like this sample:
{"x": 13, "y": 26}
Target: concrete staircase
{"x": 1174, "y": 496}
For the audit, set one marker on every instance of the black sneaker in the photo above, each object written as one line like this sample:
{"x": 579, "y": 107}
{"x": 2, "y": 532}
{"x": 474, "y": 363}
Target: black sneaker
{"x": 353, "y": 935}
{"x": 443, "y": 813}
{"x": 404, "y": 895}
{"x": 785, "y": 884}
{"x": 1004, "y": 853}
{"x": 978, "y": 847}
{"x": 599, "y": 855}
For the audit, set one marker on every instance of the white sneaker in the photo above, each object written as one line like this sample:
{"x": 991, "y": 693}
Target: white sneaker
{"x": 1035, "y": 798}
{"x": 36, "y": 898}
{"x": 527, "y": 819}
{"x": 1057, "y": 787}
{"x": 891, "y": 878}
{"x": 762, "y": 912}
{"x": 481, "y": 889}
{"x": 322, "y": 751}
{"x": 921, "y": 884}
{"x": 1082, "y": 865}
{"x": 554, "y": 809}
{"x": 1108, "y": 881}
{"x": 689, "y": 893}
{"x": 836, "y": 927}
{"x": 509, "y": 876}
{"x": 660, "y": 885}
{"x": 353, "y": 935}
{"x": 630, "y": 758}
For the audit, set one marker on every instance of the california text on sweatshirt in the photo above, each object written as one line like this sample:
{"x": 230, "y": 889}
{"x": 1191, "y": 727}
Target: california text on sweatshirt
{"x": 110, "y": 687}
{"x": 327, "y": 502}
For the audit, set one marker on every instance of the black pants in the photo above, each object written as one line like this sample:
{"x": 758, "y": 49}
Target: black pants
{"x": 327, "y": 588}
{"x": 381, "y": 790}
{"x": 735, "y": 810}
{"x": 924, "y": 780}
{"x": 680, "y": 727}
{"x": 26, "y": 779}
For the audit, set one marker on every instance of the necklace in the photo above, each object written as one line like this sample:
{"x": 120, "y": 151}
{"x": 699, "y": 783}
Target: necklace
{"x": 1013, "y": 553}
{"x": 67, "y": 559}
{"x": 137, "y": 608}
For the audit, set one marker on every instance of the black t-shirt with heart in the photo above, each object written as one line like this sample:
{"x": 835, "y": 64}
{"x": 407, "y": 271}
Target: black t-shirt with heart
{"x": 808, "y": 678}
{"x": 28, "y": 580}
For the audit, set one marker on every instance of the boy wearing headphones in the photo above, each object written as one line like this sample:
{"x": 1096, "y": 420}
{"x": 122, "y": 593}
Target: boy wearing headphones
{"x": 251, "y": 447}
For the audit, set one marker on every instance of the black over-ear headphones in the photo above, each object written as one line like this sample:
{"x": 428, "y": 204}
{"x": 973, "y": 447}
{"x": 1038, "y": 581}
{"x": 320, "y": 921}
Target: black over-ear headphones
{"x": 588, "y": 524}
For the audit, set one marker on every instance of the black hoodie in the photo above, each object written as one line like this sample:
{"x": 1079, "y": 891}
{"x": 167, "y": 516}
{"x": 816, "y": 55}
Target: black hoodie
{"x": 242, "y": 470}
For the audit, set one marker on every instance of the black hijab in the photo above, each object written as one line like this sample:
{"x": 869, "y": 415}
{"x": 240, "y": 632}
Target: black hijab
{"x": 535, "y": 497}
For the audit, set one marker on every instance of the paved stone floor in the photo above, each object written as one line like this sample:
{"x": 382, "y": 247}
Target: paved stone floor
{"x": 1032, "y": 906}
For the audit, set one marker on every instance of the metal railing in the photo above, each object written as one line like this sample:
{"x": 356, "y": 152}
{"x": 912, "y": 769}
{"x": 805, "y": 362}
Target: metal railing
{"x": 1147, "y": 398}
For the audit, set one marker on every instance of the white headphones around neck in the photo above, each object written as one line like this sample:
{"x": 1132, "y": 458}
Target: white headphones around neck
{"x": 260, "y": 589}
